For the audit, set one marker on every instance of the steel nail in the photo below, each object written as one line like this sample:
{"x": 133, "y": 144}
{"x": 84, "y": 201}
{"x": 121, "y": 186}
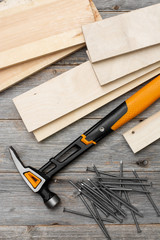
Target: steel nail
{"x": 148, "y": 195}
{"x": 128, "y": 200}
{"x": 111, "y": 202}
{"x": 86, "y": 215}
{"x": 127, "y": 183}
{"x": 100, "y": 220}
{"x": 100, "y": 172}
{"x": 95, "y": 196}
{"x": 114, "y": 206}
{"x": 94, "y": 216}
{"x": 118, "y": 198}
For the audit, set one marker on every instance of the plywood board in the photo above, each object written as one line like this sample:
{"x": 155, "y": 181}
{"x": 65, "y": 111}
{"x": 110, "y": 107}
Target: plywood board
{"x": 144, "y": 133}
{"x": 61, "y": 95}
{"x": 123, "y": 33}
{"x": 40, "y": 30}
{"x": 16, "y": 73}
{"x": 55, "y": 126}
{"x": 114, "y": 68}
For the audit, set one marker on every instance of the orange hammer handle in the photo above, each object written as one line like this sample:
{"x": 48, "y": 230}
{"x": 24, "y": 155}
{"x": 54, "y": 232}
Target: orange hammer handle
{"x": 138, "y": 102}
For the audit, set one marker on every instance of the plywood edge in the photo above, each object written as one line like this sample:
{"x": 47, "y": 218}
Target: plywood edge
{"x": 143, "y": 134}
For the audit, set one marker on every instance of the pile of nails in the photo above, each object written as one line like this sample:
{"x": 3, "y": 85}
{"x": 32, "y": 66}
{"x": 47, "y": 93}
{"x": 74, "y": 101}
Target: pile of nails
{"x": 104, "y": 195}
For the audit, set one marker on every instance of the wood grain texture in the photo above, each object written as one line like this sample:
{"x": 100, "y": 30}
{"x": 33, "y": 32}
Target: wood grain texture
{"x": 124, "y": 33}
{"x": 55, "y": 126}
{"x": 16, "y": 73}
{"x": 13, "y": 132}
{"x": 43, "y": 32}
{"x": 47, "y": 101}
{"x": 32, "y": 203}
{"x": 144, "y": 133}
{"x": 81, "y": 232}
{"x": 114, "y": 68}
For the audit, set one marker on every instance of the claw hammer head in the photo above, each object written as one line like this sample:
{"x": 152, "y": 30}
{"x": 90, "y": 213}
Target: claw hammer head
{"x": 36, "y": 180}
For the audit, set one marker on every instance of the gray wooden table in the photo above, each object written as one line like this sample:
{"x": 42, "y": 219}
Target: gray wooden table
{"x": 23, "y": 215}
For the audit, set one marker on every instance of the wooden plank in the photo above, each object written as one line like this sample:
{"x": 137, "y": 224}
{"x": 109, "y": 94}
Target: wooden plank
{"x": 124, "y": 33}
{"x": 20, "y": 203}
{"x": 105, "y": 154}
{"x": 114, "y": 68}
{"x": 55, "y": 126}
{"x": 144, "y": 133}
{"x": 107, "y": 5}
{"x": 39, "y": 36}
{"x": 47, "y": 102}
{"x": 16, "y": 73}
{"x": 81, "y": 232}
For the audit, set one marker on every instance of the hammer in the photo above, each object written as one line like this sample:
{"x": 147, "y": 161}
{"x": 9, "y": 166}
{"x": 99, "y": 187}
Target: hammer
{"x": 38, "y": 180}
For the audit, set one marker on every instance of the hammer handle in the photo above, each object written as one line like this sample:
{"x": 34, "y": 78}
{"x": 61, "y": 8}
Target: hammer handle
{"x": 118, "y": 117}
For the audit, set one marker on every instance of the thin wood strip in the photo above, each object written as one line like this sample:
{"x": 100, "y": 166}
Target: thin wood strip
{"x": 42, "y": 47}
{"x": 114, "y": 68}
{"x": 55, "y": 126}
{"x": 128, "y": 78}
{"x": 61, "y": 95}
{"x": 18, "y": 72}
{"x": 36, "y": 28}
{"x": 123, "y": 33}
{"x": 144, "y": 133}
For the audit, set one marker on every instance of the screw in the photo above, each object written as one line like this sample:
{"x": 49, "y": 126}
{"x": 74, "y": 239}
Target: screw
{"x": 101, "y": 129}
{"x": 148, "y": 195}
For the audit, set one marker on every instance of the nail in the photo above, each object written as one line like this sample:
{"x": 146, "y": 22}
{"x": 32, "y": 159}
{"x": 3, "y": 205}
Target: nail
{"x": 85, "y": 215}
{"x": 128, "y": 200}
{"x": 100, "y": 220}
{"x": 118, "y": 198}
{"x": 128, "y": 183}
{"x": 148, "y": 195}
{"x": 100, "y": 172}
{"x": 128, "y": 190}
{"x": 113, "y": 205}
{"x": 105, "y": 209}
{"x": 93, "y": 215}
{"x": 106, "y": 198}
{"x": 122, "y": 178}
{"x": 121, "y": 175}
{"x": 96, "y": 197}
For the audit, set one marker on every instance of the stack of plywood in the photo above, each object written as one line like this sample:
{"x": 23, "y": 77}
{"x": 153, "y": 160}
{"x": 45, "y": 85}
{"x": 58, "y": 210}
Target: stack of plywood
{"x": 123, "y": 53}
{"x": 36, "y": 35}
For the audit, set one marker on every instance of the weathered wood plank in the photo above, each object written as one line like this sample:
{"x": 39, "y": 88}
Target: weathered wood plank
{"x": 108, "y": 152}
{"x": 20, "y": 206}
{"x": 82, "y": 232}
